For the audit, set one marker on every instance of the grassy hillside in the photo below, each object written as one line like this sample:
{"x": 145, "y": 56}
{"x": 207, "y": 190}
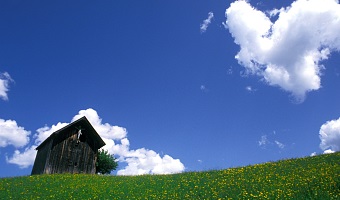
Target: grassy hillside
{"x": 304, "y": 178}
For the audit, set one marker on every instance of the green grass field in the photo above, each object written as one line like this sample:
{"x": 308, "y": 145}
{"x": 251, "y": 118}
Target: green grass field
{"x": 304, "y": 178}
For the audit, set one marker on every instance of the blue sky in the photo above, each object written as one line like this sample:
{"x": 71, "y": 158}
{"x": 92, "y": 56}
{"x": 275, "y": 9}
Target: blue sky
{"x": 172, "y": 86}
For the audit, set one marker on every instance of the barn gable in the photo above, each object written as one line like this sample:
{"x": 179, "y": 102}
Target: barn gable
{"x": 72, "y": 149}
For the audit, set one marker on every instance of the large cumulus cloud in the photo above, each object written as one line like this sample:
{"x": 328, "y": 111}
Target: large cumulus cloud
{"x": 288, "y": 52}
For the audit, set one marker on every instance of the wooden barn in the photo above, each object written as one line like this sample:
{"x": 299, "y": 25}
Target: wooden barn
{"x": 72, "y": 149}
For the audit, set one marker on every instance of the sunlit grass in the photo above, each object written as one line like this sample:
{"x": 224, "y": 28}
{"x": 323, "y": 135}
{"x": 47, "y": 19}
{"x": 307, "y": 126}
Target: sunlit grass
{"x": 305, "y": 178}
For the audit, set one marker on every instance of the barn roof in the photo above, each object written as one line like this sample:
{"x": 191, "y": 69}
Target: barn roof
{"x": 84, "y": 123}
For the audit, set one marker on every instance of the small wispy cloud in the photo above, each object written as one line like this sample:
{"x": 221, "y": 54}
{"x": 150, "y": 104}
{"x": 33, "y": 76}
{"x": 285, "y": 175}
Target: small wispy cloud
{"x": 263, "y": 141}
{"x": 250, "y": 89}
{"x": 230, "y": 70}
{"x": 269, "y": 141}
{"x": 203, "y": 88}
{"x": 5, "y": 79}
{"x": 279, "y": 144}
{"x": 205, "y": 24}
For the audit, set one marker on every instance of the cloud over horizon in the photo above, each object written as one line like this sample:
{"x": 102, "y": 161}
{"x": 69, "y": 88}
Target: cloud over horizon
{"x": 288, "y": 52}
{"x": 330, "y": 136}
{"x": 140, "y": 161}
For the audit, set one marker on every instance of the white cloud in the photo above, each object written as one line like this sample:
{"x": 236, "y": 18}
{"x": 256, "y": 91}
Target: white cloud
{"x": 144, "y": 161}
{"x": 105, "y": 129}
{"x": 140, "y": 161}
{"x": 264, "y": 141}
{"x": 313, "y": 154}
{"x": 230, "y": 70}
{"x": 12, "y": 134}
{"x": 330, "y": 136}
{"x": 5, "y": 79}
{"x": 23, "y": 159}
{"x": 328, "y": 151}
{"x": 288, "y": 52}
{"x": 250, "y": 89}
{"x": 274, "y": 12}
{"x": 204, "y": 26}
{"x": 279, "y": 144}
{"x": 44, "y": 132}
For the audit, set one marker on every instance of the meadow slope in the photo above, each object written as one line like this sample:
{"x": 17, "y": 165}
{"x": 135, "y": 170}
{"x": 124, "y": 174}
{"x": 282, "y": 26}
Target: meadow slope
{"x": 315, "y": 177}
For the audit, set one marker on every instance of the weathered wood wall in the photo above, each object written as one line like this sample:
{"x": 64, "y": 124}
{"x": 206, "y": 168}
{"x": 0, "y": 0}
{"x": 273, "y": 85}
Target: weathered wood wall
{"x": 69, "y": 155}
{"x": 41, "y": 159}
